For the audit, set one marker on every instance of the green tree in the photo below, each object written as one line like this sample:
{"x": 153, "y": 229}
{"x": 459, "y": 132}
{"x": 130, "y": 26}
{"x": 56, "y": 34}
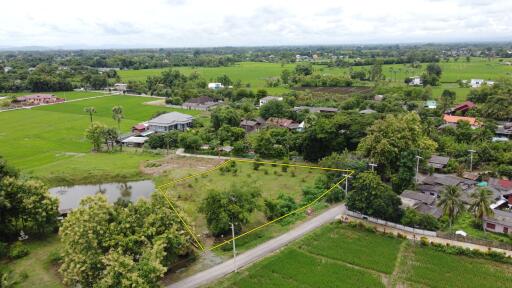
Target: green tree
{"x": 481, "y": 204}
{"x": 372, "y": 197}
{"x": 117, "y": 115}
{"x": 275, "y": 108}
{"x": 451, "y": 203}
{"x": 96, "y": 135}
{"x": 304, "y": 69}
{"x": 389, "y": 138}
{"x": 234, "y": 205}
{"x": 90, "y": 111}
{"x": 281, "y": 206}
{"x": 447, "y": 99}
{"x": 413, "y": 218}
{"x": 285, "y": 76}
{"x": 106, "y": 245}
{"x": 434, "y": 69}
{"x": 225, "y": 116}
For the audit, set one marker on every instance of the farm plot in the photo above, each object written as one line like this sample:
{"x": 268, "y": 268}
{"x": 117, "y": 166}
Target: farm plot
{"x": 47, "y": 139}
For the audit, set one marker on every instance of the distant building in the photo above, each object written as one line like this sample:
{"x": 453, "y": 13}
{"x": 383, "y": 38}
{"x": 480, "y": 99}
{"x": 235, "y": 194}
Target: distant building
{"x": 267, "y": 99}
{"x": 476, "y": 83}
{"x": 415, "y": 81}
{"x": 134, "y": 141}
{"x": 121, "y": 87}
{"x": 37, "y": 99}
{"x": 7, "y": 69}
{"x": 450, "y": 119}
{"x": 501, "y": 221}
{"x": 170, "y": 121}
{"x": 378, "y": 98}
{"x": 284, "y": 123}
{"x": 423, "y": 203}
{"x": 203, "y": 103}
{"x": 250, "y": 125}
{"x": 367, "y": 111}
{"x": 462, "y": 107}
{"x": 215, "y": 86}
{"x": 504, "y": 130}
{"x": 438, "y": 162}
{"x": 325, "y": 110}
{"x": 431, "y": 104}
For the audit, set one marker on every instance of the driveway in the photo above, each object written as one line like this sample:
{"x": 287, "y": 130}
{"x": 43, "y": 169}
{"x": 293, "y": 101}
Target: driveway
{"x": 211, "y": 275}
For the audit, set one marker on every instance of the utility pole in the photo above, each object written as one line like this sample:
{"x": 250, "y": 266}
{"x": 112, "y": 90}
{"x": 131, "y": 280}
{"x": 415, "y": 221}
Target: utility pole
{"x": 417, "y": 166}
{"x": 234, "y": 247}
{"x": 346, "y": 184}
{"x": 471, "y": 161}
{"x": 373, "y": 165}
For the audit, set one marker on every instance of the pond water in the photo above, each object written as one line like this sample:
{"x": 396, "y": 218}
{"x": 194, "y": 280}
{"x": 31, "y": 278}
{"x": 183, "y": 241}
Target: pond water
{"x": 70, "y": 196}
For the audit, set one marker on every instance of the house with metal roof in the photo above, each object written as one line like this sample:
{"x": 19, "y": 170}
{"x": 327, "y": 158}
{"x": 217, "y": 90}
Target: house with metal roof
{"x": 170, "y": 121}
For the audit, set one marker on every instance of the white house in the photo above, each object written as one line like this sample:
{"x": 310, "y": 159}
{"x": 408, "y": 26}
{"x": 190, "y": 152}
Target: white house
{"x": 476, "y": 83}
{"x": 267, "y": 99}
{"x": 215, "y": 86}
{"x": 170, "y": 121}
{"x": 7, "y": 69}
{"x": 121, "y": 87}
{"x": 415, "y": 81}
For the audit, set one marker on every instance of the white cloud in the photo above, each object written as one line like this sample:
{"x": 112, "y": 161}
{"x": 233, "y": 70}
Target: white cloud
{"x": 182, "y": 23}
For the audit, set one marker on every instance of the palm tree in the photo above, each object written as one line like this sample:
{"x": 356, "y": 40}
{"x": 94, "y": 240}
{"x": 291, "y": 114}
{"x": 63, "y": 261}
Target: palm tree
{"x": 117, "y": 114}
{"x": 91, "y": 110}
{"x": 450, "y": 203}
{"x": 481, "y": 204}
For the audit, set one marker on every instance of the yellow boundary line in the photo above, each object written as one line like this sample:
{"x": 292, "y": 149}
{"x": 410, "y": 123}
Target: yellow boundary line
{"x": 189, "y": 230}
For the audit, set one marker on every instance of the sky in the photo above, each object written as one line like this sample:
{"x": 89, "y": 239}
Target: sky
{"x": 208, "y": 23}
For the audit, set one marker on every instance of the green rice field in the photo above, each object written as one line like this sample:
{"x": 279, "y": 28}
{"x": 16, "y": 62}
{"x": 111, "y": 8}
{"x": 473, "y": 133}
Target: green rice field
{"x": 337, "y": 255}
{"x": 47, "y": 141}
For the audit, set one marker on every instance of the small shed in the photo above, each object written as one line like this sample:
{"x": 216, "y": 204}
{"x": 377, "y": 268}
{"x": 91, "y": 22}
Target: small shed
{"x": 438, "y": 162}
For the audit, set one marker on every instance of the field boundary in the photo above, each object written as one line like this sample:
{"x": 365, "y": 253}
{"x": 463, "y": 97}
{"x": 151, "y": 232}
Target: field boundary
{"x": 198, "y": 243}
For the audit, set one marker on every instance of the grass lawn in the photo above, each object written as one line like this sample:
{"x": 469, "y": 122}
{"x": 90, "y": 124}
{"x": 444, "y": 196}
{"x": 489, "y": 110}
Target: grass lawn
{"x": 41, "y": 273}
{"x": 188, "y": 194}
{"x": 47, "y": 140}
{"x": 437, "y": 269}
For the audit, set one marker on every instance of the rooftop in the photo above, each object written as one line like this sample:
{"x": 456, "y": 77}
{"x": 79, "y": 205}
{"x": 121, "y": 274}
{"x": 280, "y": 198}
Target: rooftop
{"x": 171, "y": 119}
{"x": 455, "y": 119}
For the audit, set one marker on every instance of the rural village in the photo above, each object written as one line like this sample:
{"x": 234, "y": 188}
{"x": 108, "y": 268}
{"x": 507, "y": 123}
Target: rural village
{"x": 375, "y": 165}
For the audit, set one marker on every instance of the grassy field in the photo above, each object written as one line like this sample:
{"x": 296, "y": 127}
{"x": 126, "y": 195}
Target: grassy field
{"x": 436, "y": 269}
{"x": 68, "y": 95}
{"x": 270, "y": 180}
{"x": 49, "y": 140}
{"x": 337, "y": 255}
{"x": 37, "y": 265}
{"x": 253, "y": 73}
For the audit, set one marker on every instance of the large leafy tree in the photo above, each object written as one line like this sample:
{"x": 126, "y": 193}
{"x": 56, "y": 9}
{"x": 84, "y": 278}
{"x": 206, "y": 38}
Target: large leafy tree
{"x": 372, "y": 197}
{"x": 96, "y": 134}
{"x": 234, "y": 205}
{"x": 389, "y": 138}
{"x": 451, "y": 203}
{"x": 130, "y": 245}
{"x": 275, "y": 108}
{"x": 225, "y": 116}
{"x": 25, "y": 205}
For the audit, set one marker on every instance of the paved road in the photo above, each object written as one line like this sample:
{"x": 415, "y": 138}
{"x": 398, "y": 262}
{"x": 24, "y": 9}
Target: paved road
{"x": 255, "y": 254}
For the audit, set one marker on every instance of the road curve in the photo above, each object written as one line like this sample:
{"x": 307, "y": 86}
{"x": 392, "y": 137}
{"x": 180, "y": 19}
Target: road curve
{"x": 255, "y": 254}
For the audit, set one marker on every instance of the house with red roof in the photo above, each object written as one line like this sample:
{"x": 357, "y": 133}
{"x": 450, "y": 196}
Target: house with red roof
{"x": 37, "y": 99}
{"x": 462, "y": 107}
{"x": 451, "y": 119}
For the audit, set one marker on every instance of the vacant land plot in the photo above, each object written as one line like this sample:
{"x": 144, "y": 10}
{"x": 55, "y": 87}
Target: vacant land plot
{"x": 47, "y": 139}
{"x": 271, "y": 181}
{"x": 362, "y": 258}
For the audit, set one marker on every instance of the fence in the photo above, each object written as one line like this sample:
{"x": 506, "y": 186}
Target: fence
{"x": 469, "y": 239}
{"x": 391, "y": 224}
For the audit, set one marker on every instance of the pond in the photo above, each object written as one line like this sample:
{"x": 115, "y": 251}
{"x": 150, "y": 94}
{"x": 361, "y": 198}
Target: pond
{"x": 70, "y": 197}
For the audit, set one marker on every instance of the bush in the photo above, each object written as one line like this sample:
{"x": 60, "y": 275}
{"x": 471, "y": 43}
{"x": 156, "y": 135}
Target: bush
{"x": 55, "y": 257}
{"x": 18, "y": 250}
{"x": 4, "y": 249}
